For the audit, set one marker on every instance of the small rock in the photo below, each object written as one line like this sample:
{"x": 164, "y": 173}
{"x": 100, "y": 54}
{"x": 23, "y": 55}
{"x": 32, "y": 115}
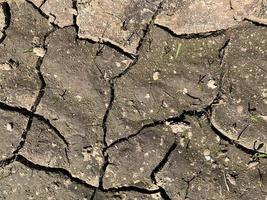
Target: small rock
{"x": 212, "y": 84}
{"x": 231, "y": 179}
{"x": 185, "y": 91}
{"x": 226, "y": 159}
{"x": 179, "y": 128}
{"x": 147, "y": 96}
{"x": 252, "y": 165}
{"x": 79, "y": 98}
{"x": 9, "y": 126}
{"x": 39, "y": 51}
{"x": 206, "y": 153}
{"x": 155, "y": 76}
{"x": 5, "y": 67}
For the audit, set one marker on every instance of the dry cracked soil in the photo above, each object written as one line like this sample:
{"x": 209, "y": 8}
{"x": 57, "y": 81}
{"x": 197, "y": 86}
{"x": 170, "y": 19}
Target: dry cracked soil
{"x": 133, "y": 99}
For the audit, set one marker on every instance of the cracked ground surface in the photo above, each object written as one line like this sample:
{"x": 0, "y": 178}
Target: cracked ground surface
{"x": 143, "y": 99}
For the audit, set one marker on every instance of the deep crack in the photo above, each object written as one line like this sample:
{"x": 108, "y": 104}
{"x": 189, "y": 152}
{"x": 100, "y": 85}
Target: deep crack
{"x": 62, "y": 171}
{"x": 188, "y": 182}
{"x": 194, "y": 35}
{"x": 159, "y": 167}
{"x": 7, "y": 13}
{"x": 112, "y": 96}
{"x": 176, "y": 119}
{"x": 162, "y": 163}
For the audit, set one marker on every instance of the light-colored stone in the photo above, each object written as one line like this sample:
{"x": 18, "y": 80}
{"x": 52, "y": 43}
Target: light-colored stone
{"x": 120, "y": 22}
{"x": 60, "y": 12}
{"x": 212, "y": 84}
{"x": 39, "y": 51}
{"x": 196, "y": 16}
{"x": 179, "y": 128}
{"x": 5, "y": 66}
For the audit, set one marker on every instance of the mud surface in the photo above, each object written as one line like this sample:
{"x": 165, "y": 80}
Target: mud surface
{"x": 133, "y": 100}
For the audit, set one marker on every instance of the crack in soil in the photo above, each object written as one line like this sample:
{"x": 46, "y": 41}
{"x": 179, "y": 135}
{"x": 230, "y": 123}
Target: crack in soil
{"x": 27, "y": 113}
{"x": 188, "y": 182}
{"x": 44, "y": 1}
{"x": 207, "y": 112}
{"x": 55, "y": 26}
{"x": 162, "y": 163}
{"x": 74, "y": 6}
{"x": 38, "y": 98}
{"x": 21, "y": 159}
{"x": 52, "y": 127}
{"x": 38, "y": 68}
{"x": 159, "y": 167}
{"x": 38, "y": 9}
{"x": 7, "y": 14}
{"x": 30, "y": 116}
{"x": 172, "y": 120}
{"x": 194, "y": 35}
{"x": 112, "y": 96}
{"x": 7, "y": 161}
{"x": 24, "y": 136}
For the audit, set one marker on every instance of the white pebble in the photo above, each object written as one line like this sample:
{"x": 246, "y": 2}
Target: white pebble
{"x": 39, "y": 51}
{"x": 212, "y": 84}
{"x": 5, "y": 67}
{"x": 9, "y": 127}
{"x": 155, "y": 76}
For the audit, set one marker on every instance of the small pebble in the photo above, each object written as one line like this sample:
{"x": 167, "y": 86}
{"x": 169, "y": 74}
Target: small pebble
{"x": 5, "y": 67}
{"x": 39, "y": 51}
{"x": 9, "y": 127}
{"x": 155, "y": 76}
{"x": 207, "y": 154}
{"x": 212, "y": 84}
{"x": 252, "y": 165}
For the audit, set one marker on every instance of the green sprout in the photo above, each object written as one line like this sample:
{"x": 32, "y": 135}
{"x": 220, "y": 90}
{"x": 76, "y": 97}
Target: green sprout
{"x": 178, "y": 49}
{"x": 55, "y": 99}
{"x": 200, "y": 87}
{"x": 28, "y": 50}
{"x": 255, "y": 118}
{"x": 260, "y": 155}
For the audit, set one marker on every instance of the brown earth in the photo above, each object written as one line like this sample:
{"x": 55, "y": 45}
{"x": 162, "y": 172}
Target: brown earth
{"x": 141, "y": 99}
